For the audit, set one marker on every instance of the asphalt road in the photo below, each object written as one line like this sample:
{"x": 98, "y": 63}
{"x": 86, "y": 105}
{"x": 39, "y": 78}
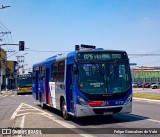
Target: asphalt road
{"x": 23, "y": 111}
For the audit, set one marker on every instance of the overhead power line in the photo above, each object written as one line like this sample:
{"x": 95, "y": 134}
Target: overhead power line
{"x": 144, "y": 55}
{"x": 4, "y": 26}
{"x": 46, "y": 51}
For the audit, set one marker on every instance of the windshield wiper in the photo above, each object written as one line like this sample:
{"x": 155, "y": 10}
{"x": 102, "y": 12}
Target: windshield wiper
{"x": 97, "y": 68}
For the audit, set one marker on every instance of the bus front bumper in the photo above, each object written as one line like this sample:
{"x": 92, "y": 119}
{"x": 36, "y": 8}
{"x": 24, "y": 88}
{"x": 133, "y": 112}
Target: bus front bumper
{"x": 108, "y": 110}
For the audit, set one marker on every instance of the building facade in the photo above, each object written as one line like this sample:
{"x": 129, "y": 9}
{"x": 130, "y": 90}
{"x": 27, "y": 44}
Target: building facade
{"x": 146, "y": 74}
{"x": 3, "y": 66}
{"x": 11, "y": 74}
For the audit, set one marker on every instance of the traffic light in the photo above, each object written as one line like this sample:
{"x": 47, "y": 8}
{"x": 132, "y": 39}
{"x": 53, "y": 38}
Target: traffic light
{"x": 21, "y": 45}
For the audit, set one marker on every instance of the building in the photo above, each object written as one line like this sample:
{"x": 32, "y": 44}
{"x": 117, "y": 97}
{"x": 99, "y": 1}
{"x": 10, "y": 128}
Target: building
{"x": 11, "y": 74}
{"x": 146, "y": 74}
{"x": 3, "y": 60}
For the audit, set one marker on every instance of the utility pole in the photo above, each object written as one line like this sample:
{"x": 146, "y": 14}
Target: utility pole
{"x": 3, "y": 7}
{"x": 0, "y": 71}
{"x": 21, "y": 60}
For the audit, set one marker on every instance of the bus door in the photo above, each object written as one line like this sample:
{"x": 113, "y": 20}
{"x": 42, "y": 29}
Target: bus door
{"x": 36, "y": 84}
{"x": 47, "y": 86}
{"x": 69, "y": 87}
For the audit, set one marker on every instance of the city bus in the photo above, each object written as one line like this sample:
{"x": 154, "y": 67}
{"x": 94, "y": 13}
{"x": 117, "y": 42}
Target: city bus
{"x": 24, "y": 83}
{"x": 86, "y": 82}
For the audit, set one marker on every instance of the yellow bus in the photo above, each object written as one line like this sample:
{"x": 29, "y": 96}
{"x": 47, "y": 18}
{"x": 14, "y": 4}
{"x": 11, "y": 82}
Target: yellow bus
{"x": 24, "y": 83}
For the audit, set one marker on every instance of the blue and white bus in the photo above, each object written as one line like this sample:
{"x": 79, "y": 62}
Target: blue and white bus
{"x": 88, "y": 81}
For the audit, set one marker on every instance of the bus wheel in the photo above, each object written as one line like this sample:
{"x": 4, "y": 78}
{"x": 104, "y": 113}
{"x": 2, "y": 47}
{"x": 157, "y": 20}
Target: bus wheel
{"x": 41, "y": 102}
{"x": 65, "y": 114}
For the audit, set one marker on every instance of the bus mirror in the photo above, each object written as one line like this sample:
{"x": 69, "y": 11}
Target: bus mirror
{"x": 75, "y": 69}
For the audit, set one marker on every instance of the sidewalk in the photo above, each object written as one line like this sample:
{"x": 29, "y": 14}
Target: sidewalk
{"x": 6, "y": 92}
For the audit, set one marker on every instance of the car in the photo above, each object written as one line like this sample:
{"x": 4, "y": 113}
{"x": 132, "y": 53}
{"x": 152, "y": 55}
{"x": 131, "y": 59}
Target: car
{"x": 140, "y": 84}
{"x": 148, "y": 85}
{"x": 134, "y": 85}
{"x": 154, "y": 86}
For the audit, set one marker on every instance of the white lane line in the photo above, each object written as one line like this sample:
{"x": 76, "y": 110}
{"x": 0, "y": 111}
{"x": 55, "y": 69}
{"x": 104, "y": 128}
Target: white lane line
{"x": 28, "y": 113}
{"x": 24, "y": 109}
{"x": 15, "y": 112}
{"x": 37, "y": 109}
{"x": 22, "y": 122}
{"x": 21, "y": 108}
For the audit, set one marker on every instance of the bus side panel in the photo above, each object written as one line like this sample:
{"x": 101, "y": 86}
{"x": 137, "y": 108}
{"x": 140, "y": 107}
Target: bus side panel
{"x": 52, "y": 87}
{"x": 35, "y": 86}
{"x": 56, "y": 91}
{"x": 69, "y": 88}
{"x": 46, "y": 86}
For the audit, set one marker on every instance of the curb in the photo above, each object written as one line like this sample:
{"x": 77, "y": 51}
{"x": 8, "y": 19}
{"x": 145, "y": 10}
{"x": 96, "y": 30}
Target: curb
{"x": 144, "y": 99}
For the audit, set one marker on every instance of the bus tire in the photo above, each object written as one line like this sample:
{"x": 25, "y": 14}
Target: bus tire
{"x": 41, "y": 102}
{"x": 65, "y": 114}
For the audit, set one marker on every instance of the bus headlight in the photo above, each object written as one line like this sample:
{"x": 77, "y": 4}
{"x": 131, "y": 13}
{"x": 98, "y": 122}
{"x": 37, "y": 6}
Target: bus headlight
{"x": 129, "y": 99}
{"x": 82, "y": 101}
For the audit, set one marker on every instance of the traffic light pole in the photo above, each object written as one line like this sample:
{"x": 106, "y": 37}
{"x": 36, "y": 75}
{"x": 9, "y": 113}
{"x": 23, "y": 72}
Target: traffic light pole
{"x": 8, "y": 44}
{"x": 21, "y": 45}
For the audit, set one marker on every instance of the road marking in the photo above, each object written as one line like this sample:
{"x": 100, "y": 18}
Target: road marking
{"x": 28, "y": 113}
{"x": 22, "y": 122}
{"x": 15, "y": 113}
{"x": 43, "y": 113}
{"x": 23, "y": 106}
{"x": 24, "y": 109}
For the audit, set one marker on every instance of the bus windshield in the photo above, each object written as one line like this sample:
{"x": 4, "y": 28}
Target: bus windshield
{"x": 24, "y": 81}
{"x": 104, "y": 78}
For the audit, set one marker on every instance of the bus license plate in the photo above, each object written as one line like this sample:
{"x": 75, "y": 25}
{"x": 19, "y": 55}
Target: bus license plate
{"x": 108, "y": 113}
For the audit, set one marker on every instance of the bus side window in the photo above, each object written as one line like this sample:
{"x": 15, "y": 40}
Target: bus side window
{"x": 61, "y": 69}
{"x": 42, "y": 73}
{"x": 54, "y": 72}
{"x": 34, "y": 74}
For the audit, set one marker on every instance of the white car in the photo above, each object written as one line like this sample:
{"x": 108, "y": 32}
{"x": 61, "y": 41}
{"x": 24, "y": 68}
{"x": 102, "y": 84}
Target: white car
{"x": 134, "y": 85}
{"x": 157, "y": 85}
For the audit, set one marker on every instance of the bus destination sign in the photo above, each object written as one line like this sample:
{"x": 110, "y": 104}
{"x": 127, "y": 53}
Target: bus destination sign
{"x": 101, "y": 56}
